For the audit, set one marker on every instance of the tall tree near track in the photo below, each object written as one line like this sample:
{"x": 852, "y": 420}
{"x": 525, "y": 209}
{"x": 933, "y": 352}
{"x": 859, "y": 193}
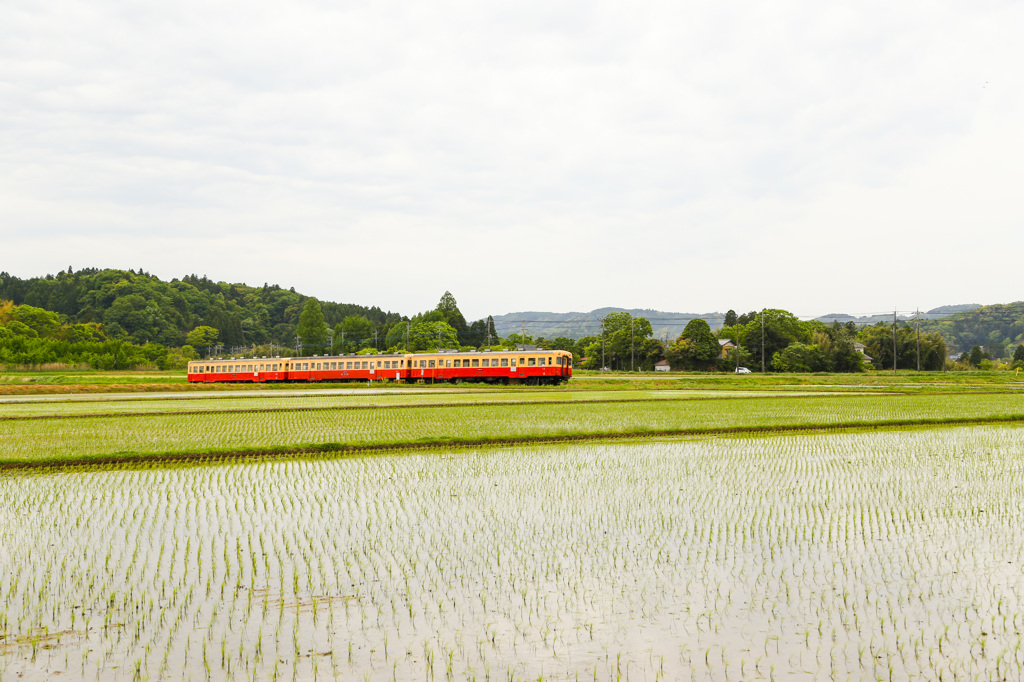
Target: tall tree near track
{"x": 696, "y": 347}
{"x": 312, "y": 330}
{"x": 452, "y": 315}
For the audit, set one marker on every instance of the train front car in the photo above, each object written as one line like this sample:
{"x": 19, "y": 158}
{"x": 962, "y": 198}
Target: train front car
{"x": 532, "y": 367}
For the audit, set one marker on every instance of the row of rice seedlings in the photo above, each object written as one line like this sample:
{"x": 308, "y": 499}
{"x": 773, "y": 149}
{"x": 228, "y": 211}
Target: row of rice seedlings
{"x": 60, "y": 406}
{"x": 886, "y": 555}
{"x": 191, "y": 433}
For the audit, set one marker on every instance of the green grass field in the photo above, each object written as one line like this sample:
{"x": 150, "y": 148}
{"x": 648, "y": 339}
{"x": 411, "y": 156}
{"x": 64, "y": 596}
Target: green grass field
{"x": 55, "y": 431}
{"x": 85, "y": 381}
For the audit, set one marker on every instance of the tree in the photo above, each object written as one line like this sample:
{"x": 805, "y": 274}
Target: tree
{"x": 6, "y": 307}
{"x": 202, "y": 336}
{"x": 799, "y": 357}
{"x": 977, "y": 355}
{"x": 42, "y": 322}
{"x": 877, "y": 340}
{"x": 423, "y": 336}
{"x": 1018, "y": 355}
{"x": 452, "y": 315}
{"x": 624, "y": 336}
{"x": 780, "y": 329}
{"x": 352, "y": 334}
{"x": 696, "y": 347}
{"x": 730, "y": 318}
{"x": 312, "y": 330}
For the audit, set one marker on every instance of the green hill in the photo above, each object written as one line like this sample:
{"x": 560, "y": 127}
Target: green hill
{"x": 999, "y": 328}
{"x": 144, "y": 308}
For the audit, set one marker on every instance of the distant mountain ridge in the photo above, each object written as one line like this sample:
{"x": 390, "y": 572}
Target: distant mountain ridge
{"x": 668, "y": 325}
{"x": 576, "y": 325}
{"x": 933, "y": 314}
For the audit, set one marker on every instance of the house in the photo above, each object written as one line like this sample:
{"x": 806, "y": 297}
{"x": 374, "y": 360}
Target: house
{"x": 727, "y": 346}
{"x": 862, "y": 349}
{"x": 661, "y": 366}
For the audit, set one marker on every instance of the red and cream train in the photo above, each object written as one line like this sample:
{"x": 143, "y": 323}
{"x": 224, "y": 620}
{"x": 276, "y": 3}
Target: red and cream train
{"x": 532, "y": 367}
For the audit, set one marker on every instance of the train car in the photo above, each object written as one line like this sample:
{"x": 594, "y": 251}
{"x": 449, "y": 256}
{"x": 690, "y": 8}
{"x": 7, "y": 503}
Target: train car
{"x": 244, "y": 370}
{"x": 533, "y": 367}
{"x": 390, "y": 367}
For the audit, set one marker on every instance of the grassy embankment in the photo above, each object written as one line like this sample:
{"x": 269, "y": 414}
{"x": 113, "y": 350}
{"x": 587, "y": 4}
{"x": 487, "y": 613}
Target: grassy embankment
{"x": 84, "y": 381}
{"x": 59, "y": 431}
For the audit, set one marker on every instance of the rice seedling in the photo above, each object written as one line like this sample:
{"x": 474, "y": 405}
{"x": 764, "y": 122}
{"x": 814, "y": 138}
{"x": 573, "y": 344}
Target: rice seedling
{"x": 889, "y": 554}
{"x": 61, "y": 439}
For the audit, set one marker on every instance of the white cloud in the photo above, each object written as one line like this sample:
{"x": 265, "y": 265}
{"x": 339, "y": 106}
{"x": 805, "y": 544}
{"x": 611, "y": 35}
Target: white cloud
{"x": 542, "y": 155}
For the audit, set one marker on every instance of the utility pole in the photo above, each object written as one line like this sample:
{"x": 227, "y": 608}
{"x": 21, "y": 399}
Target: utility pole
{"x": 602, "y": 344}
{"x": 330, "y": 339}
{"x": 632, "y": 354}
{"x": 894, "y": 342}
{"x": 762, "y": 340}
{"x": 736, "y": 350}
{"x": 438, "y": 336}
{"x": 918, "y": 316}
{"x": 407, "y": 325}
{"x": 375, "y": 338}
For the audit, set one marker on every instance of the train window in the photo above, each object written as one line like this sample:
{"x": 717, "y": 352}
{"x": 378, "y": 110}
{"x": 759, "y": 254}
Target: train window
{"x": 476, "y": 363}
{"x": 387, "y": 364}
{"x": 504, "y": 362}
{"x": 522, "y": 361}
{"x": 431, "y": 364}
{"x": 533, "y": 361}
{"x": 487, "y": 363}
{"x": 366, "y": 364}
{"x": 458, "y": 363}
{"x": 275, "y": 368}
{"x": 448, "y": 363}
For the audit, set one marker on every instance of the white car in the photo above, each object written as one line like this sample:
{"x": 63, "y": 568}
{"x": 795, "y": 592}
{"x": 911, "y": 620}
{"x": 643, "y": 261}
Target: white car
{"x": 742, "y": 370}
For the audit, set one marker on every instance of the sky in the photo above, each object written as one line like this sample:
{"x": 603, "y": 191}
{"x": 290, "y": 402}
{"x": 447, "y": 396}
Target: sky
{"x": 553, "y": 156}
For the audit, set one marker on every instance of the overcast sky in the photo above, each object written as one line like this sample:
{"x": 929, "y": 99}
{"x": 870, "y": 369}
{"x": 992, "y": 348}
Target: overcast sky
{"x": 559, "y": 156}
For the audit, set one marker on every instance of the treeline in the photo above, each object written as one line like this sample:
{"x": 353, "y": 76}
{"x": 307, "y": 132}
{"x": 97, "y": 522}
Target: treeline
{"x": 116, "y": 319}
{"x": 773, "y": 339}
{"x": 33, "y": 337}
{"x": 996, "y": 329}
{"x": 140, "y": 308}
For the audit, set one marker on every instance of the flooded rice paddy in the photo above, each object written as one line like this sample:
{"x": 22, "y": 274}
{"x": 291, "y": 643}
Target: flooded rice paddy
{"x": 877, "y": 555}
